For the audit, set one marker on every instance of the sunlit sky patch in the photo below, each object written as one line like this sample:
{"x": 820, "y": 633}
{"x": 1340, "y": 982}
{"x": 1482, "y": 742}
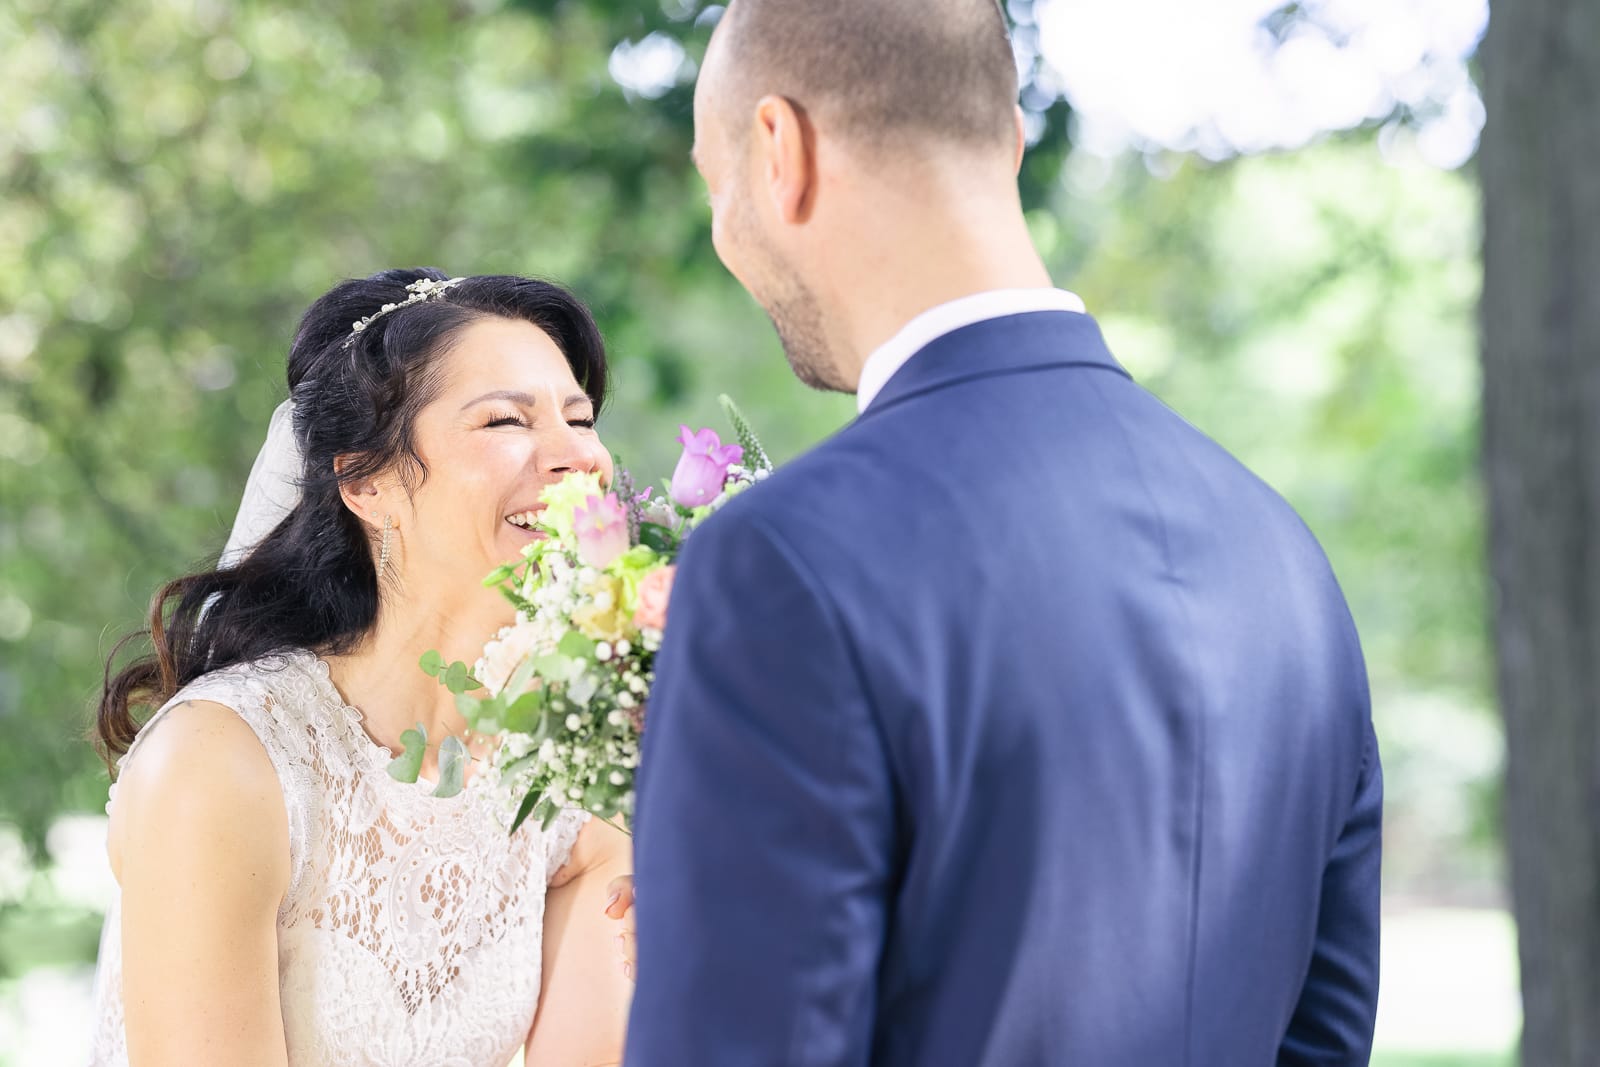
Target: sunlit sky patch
{"x": 1223, "y": 77}
{"x": 1214, "y": 77}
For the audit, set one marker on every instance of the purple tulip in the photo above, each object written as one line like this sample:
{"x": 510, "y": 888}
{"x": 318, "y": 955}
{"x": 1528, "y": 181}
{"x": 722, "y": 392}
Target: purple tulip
{"x": 703, "y": 470}
{"x": 602, "y": 528}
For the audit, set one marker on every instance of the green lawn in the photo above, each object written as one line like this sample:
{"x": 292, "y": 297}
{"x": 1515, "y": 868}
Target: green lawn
{"x": 1443, "y": 1059}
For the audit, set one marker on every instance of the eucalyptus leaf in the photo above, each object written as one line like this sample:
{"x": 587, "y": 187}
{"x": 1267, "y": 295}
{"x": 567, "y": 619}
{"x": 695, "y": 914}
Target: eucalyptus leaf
{"x": 459, "y": 680}
{"x": 554, "y": 667}
{"x": 432, "y": 663}
{"x": 523, "y": 714}
{"x": 408, "y": 765}
{"x": 576, "y": 645}
{"x": 452, "y": 767}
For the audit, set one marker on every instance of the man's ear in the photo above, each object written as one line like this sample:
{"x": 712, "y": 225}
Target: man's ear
{"x": 362, "y": 496}
{"x": 787, "y": 150}
{"x": 1022, "y": 135}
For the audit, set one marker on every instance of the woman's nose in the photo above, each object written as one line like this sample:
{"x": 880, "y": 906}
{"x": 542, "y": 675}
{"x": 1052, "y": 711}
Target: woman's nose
{"x": 564, "y": 450}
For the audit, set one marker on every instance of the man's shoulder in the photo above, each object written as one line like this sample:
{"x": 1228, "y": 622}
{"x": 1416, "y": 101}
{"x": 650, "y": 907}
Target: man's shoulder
{"x": 846, "y": 470}
{"x": 813, "y": 509}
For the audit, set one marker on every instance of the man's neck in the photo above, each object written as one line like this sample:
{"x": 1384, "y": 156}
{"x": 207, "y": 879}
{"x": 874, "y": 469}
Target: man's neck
{"x": 920, "y": 269}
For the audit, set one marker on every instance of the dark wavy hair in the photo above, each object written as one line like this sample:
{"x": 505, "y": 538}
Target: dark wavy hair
{"x": 312, "y": 582}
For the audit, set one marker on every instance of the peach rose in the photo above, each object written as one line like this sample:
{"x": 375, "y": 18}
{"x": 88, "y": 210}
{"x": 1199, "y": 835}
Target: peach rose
{"x": 655, "y": 589}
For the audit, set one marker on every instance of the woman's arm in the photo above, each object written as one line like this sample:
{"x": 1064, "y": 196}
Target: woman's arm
{"x": 584, "y": 995}
{"x": 199, "y": 841}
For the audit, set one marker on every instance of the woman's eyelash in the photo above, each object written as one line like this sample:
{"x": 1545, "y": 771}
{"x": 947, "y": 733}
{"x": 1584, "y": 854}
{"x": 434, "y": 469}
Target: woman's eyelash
{"x": 513, "y": 420}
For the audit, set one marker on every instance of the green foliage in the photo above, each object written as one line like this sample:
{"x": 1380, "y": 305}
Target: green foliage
{"x": 408, "y": 765}
{"x": 755, "y": 457}
{"x": 576, "y": 645}
{"x": 525, "y": 809}
{"x": 498, "y": 575}
{"x": 458, "y": 680}
{"x": 526, "y": 712}
{"x": 657, "y": 537}
{"x": 452, "y": 767}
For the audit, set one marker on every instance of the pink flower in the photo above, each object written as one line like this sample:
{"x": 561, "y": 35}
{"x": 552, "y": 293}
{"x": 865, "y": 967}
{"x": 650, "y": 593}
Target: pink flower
{"x": 655, "y": 589}
{"x": 703, "y": 470}
{"x": 602, "y": 528}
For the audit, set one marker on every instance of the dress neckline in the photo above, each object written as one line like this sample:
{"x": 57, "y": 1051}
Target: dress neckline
{"x": 375, "y": 756}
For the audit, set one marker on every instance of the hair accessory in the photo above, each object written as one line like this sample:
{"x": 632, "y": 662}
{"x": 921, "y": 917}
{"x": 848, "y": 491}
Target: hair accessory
{"x": 422, "y": 290}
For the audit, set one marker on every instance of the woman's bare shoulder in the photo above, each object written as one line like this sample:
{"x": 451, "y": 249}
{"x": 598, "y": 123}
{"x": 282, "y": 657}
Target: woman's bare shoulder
{"x": 201, "y": 779}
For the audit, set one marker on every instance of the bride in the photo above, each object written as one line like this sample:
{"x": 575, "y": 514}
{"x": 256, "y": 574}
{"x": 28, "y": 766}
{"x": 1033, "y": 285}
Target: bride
{"x": 282, "y": 899}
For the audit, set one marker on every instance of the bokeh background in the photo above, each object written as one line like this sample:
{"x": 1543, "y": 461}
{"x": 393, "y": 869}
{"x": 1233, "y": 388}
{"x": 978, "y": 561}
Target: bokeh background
{"x": 1270, "y": 208}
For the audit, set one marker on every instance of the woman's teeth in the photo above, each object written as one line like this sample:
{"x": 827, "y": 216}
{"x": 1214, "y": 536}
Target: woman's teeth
{"x": 525, "y": 519}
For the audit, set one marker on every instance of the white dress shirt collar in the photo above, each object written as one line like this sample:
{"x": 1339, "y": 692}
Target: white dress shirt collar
{"x": 934, "y": 323}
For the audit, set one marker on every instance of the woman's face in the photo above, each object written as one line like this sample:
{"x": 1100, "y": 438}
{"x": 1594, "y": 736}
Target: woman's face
{"x": 509, "y": 420}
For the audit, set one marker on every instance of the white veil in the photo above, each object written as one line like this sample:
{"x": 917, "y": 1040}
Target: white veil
{"x": 272, "y": 490}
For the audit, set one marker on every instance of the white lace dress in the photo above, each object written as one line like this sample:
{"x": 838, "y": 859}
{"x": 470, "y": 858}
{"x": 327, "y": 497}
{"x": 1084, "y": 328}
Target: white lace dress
{"x": 411, "y": 929}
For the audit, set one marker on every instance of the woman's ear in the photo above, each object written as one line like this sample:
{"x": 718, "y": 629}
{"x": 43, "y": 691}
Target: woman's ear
{"x": 363, "y": 496}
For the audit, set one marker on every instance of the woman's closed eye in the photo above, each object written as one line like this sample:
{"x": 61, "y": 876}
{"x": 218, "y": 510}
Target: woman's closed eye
{"x": 517, "y": 420}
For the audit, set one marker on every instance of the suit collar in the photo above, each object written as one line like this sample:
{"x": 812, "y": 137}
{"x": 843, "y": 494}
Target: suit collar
{"x": 994, "y": 347}
{"x": 941, "y": 319}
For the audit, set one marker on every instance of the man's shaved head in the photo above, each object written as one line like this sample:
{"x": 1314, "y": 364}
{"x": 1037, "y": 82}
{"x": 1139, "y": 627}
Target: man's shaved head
{"x": 897, "y": 72}
{"x": 833, "y": 133}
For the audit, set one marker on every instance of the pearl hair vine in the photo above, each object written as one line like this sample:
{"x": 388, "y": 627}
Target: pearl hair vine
{"x": 422, "y": 290}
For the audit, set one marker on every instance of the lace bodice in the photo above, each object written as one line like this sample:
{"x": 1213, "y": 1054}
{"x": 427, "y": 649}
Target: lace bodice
{"x": 410, "y": 932}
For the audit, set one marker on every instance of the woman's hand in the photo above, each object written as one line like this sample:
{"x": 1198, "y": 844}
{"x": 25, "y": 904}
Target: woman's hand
{"x": 619, "y": 906}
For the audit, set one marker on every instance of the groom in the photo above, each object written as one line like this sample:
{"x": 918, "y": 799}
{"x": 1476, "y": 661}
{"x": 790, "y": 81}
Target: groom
{"x": 1018, "y": 723}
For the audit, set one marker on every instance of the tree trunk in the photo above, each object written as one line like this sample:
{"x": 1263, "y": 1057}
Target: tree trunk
{"x": 1540, "y": 167}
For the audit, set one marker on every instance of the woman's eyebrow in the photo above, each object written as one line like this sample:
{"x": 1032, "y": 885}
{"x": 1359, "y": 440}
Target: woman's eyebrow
{"x": 527, "y": 400}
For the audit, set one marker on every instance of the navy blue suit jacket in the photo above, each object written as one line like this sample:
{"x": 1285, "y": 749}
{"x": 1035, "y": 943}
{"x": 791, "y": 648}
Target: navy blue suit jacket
{"x": 1016, "y": 724}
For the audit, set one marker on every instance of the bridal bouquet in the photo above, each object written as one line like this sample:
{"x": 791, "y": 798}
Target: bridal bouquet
{"x": 568, "y": 682}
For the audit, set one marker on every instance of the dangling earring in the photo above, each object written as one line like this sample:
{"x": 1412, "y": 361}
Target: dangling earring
{"x": 383, "y": 551}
